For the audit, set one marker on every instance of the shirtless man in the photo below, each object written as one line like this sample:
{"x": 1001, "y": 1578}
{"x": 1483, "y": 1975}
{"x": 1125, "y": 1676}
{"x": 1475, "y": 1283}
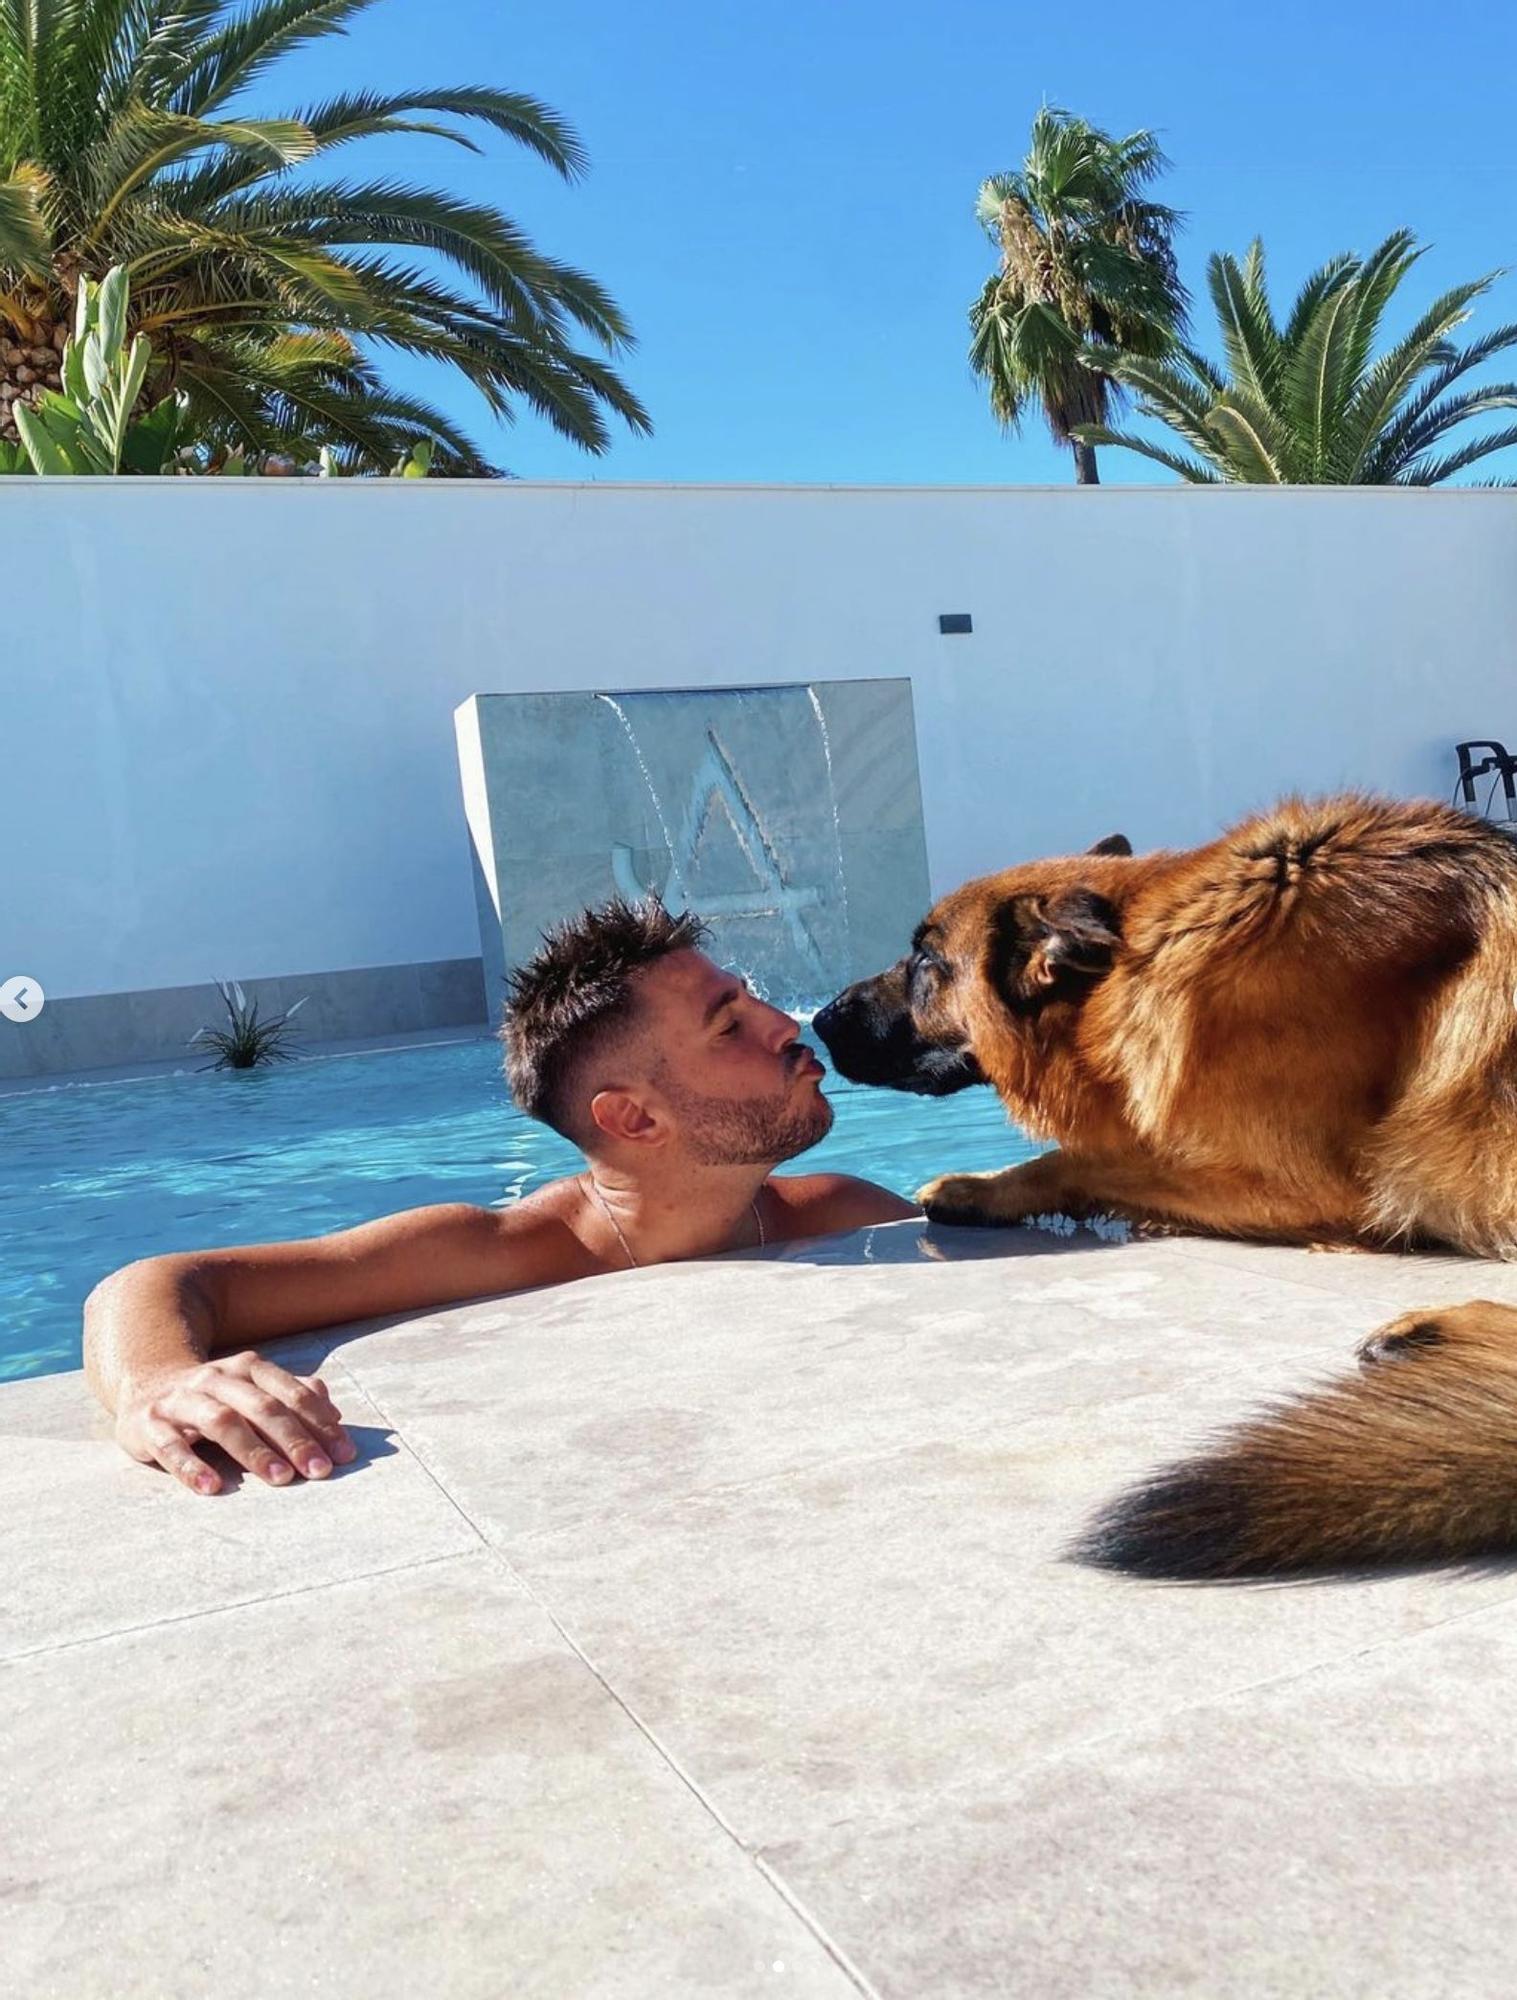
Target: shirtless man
{"x": 681, "y": 1087}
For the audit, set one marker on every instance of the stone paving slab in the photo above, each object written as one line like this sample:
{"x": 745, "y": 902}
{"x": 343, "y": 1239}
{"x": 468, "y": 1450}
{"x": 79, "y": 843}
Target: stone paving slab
{"x": 94, "y": 1543}
{"x": 689, "y": 1392}
{"x": 883, "y": 1634}
{"x": 393, "y": 1786}
{"x": 1398, "y": 1284}
{"x": 708, "y": 1630}
{"x": 1345, "y": 1833}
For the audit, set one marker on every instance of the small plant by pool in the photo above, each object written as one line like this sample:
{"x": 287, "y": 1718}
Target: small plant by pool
{"x": 94, "y": 1175}
{"x": 245, "y": 1041}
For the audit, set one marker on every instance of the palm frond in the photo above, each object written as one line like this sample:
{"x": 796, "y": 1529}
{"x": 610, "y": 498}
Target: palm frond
{"x": 141, "y": 142}
{"x": 1436, "y": 423}
{"x": 533, "y": 124}
{"x": 1404, "y": 440}
{"x": 1165, "y": 393}
{"x": 248, "y": 41}
{"x": 1190, "y": 469}
{"x": 366, "y": 114}
{"x": 1432, "y": 472}
{"x": 993, "y": 196}
{"x": 1256, "y": 444}
{"x": 992, "y": 355}
{"x": 1250, "y": 338}
{"x": 26, "y": 239}
{"x": 1374, "y": 286}
{"x": 483, "y": 243}
{"x": 1314, "y": 378}
{"x": 1336, "y": 271}
{"x": 1127, "y": 286}
{"x": 1420, "y": 351}
{"x": 141, "y": 48}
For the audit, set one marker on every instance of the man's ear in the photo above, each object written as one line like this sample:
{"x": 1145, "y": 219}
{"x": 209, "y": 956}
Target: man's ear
{"x": 1077, "y": 936}
{"x": 1114, "y": 843}
{"x": 621, "y": 1114}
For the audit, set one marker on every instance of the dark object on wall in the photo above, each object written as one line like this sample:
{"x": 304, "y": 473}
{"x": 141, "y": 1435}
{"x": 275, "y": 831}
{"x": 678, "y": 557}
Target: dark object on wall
{"x": 955, "y": 621}
{"x": 1497, "y": 759}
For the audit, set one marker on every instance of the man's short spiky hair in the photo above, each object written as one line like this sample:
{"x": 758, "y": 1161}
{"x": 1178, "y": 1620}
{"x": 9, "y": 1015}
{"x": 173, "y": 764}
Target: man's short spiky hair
{"x": 574, "y": 993}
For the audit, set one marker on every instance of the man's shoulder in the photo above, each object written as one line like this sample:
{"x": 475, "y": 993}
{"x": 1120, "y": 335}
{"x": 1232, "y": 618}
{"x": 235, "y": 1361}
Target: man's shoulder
{"x": 541, "y": 1227}
{"x": 818, "y": 1204}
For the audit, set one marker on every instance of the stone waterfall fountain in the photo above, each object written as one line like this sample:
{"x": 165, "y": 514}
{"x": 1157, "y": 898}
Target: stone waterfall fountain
{"x": 789, "y": 817}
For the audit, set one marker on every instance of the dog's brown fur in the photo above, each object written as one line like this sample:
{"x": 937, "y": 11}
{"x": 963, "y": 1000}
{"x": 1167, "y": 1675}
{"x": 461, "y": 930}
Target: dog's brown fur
{"x": 1304, "y": 1032}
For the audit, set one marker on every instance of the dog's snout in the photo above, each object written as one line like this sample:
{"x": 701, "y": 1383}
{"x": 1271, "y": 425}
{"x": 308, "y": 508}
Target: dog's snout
{"x": 824, "y": 1023}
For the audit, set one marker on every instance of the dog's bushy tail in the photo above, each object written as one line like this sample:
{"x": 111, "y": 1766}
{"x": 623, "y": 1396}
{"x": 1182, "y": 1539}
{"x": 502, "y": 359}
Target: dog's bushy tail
{"x": 1414, "y": 1459}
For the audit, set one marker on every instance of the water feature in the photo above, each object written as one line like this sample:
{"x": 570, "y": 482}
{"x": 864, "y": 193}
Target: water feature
{"x": 788, "y": 816}
{"x": 837, "y": 829}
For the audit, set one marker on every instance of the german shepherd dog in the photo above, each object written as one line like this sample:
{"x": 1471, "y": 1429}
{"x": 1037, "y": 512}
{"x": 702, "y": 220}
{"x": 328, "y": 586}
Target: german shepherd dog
{"x": 1305, "y": 1033}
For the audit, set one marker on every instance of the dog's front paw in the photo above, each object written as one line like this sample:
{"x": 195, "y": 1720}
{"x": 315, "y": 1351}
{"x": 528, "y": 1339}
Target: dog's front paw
{"x": 965, "y": 1201}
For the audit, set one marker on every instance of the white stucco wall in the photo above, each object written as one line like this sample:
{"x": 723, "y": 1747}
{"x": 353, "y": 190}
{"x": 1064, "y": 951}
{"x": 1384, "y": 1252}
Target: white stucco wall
{"x": 226, "y": 738}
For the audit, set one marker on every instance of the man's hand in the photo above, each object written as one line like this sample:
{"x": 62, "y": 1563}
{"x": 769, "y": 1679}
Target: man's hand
{"x": 166, "y": 1339}
{"x": 248, "y": 1405}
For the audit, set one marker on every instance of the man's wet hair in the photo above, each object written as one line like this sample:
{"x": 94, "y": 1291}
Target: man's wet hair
{"x": 574, "y": 996}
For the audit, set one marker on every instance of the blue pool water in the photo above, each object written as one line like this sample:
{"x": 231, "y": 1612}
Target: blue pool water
{"x": 94, "y": 1175}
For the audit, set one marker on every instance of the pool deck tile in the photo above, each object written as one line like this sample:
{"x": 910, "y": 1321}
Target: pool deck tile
{"x": 96, "y": 1544}
{"x": 709, "y": 1630}
{"x": 397, "y": 1785}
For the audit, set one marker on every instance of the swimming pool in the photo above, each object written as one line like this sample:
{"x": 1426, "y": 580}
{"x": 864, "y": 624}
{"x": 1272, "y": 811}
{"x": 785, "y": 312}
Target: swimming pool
{"x": 93, "y": 1175}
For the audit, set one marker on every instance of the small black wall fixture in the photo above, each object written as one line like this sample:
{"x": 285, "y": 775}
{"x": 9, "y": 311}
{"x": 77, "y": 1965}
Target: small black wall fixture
{"x": 1498, "y": 759}
{"x": 955, "y": 621}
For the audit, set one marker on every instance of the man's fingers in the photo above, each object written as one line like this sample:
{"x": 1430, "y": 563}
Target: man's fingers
{"x": 167, "y": 1446}
{"x": 223, "y": 1425}
{"x": 265, "y": 1419}
{"x": 337, "y": 1436}
{"x": 308, "y": 1449}
{"x": 310, "y": 1400}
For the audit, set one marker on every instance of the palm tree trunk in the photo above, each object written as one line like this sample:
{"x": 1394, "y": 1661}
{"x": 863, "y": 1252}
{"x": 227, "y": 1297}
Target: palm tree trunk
{"x": 27, "y": 369}
{"x": 1085, "y": 464}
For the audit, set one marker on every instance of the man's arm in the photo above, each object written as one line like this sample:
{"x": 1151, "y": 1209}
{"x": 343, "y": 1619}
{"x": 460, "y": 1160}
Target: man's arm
{"x": 159, "y": 1334}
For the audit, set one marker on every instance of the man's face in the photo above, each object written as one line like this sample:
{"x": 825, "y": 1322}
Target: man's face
{"x": 742, "y": 1088}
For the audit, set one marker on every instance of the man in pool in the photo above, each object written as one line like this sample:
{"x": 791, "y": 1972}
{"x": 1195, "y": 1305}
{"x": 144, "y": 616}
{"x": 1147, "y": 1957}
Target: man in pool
{"x": 680, "y": 1086}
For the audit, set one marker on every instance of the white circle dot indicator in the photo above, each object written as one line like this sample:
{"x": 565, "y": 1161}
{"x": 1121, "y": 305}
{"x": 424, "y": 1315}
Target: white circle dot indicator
{"x": 21, "y": 998}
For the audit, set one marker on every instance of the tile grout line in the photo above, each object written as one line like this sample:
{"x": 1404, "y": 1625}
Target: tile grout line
{"x": 219, "y": 1610}
{"x": 854, "y": 1973}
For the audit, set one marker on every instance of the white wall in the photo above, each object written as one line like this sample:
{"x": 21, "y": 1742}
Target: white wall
{"x": 226, "y": 740}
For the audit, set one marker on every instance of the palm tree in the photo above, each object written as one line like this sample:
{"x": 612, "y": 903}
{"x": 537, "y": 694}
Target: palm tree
{"x": 267, "y": 292}
{"x": 1086, "y": 267}
{"x": 1306, "y": 404}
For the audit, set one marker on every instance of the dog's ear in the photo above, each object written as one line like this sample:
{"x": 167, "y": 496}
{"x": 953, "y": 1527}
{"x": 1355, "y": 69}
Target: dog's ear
{"x": 1051, "y": 951}
{"x": 1082, "y": 931}
{"x": 1114, "y": 843}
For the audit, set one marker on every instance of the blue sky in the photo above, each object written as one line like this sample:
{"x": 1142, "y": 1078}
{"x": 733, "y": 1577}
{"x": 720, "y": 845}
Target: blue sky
{"x": 781, "y": 198}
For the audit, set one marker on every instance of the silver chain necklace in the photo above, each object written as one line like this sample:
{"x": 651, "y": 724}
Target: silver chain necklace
{"x": 626, "y": 1247}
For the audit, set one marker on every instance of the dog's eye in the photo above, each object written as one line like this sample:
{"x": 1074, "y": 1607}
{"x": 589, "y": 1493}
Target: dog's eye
{"x": 924, "y": 973}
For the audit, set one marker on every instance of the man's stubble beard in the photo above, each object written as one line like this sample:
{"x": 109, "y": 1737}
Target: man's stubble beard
{"x": 746, "y": 1131}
